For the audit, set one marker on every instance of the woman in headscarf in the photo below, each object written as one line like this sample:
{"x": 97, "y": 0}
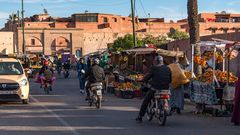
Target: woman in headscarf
{"x": 236, "y": 109}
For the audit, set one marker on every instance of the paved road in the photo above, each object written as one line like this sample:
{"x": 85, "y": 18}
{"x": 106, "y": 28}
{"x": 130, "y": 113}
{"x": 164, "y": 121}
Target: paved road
{"x": 64, "y": 112}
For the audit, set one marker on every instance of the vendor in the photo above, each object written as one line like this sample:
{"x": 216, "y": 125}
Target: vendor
{"x": 236, "y": 110}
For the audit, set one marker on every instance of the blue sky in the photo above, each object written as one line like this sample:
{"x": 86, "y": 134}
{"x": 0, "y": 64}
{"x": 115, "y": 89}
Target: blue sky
{"x": 170, "y": 9}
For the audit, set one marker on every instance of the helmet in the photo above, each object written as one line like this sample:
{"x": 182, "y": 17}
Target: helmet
{"x": 46, "y": 63}
{"x": 159, "y": 59}
{"x": 96, "y": 61}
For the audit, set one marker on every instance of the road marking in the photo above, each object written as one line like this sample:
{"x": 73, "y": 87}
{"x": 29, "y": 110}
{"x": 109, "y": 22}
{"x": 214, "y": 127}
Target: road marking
{"x": 62, "y": 121}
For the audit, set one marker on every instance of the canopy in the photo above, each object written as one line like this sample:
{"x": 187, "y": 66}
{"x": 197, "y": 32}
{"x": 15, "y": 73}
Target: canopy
{"x": 141, "y": 50}
{"x": 168, "y": 53}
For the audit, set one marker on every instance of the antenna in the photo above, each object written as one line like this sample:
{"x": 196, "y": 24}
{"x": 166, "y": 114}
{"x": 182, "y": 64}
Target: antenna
{"x": 44, "y": 9}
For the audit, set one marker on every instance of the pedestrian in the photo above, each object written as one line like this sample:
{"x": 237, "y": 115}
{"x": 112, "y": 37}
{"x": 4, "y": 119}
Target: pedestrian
{"x": 81, "y": 69}
{"x": 89, "y": 62}
{"x": 236, "y": 109}
{"x": 177, "y": 97}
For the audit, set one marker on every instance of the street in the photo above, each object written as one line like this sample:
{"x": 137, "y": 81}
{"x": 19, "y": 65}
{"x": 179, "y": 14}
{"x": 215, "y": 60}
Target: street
{"x": 65, "y": 112}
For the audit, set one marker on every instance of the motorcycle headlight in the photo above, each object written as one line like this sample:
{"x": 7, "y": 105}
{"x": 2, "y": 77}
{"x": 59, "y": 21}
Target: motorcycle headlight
{"x": 23, "y": 82}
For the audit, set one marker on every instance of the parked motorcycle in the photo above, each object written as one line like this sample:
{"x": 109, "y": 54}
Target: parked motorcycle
{"x": 159, "y": 107}
{"x": 96, "y": 95}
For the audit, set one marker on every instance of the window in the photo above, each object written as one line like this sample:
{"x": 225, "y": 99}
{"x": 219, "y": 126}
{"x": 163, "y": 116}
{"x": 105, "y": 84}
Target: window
{"x": 105, "y": 19}
{"x": 10, "y": 68}
{"x": 213, "y": 31}
{"x": 86, "y": 18}
{"x": 225, "y": 31}
{"x": 115, "y": 19}
{"x": 32, "y": 41}
{"x": 123, "y": 18}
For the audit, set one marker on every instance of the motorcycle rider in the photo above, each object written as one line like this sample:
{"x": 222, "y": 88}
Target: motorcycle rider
{"x": 66, "y": 66}
{"x": 45, "y": 74}
{"x": 59, "y": 65}
{"x": 160, "y": 77}
{"x": 94, "y": 74}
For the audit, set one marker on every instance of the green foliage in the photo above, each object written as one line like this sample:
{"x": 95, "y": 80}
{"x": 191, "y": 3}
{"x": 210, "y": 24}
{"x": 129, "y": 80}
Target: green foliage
{"x": 178, "y": 35}
{"x": 157, "y": 41}
{"x": 124, "y": 43}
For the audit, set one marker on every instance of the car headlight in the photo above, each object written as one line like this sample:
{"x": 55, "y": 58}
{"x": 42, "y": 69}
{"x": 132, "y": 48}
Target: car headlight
{"x": 23, "y": 82}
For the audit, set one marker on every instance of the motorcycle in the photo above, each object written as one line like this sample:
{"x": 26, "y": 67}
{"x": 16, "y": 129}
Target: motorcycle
{"x": 59, "y": 70}
{"x": 159, "y": 107}
{"x": 96, "y": 95}
{"x": 66, "y": 73}
{"x": 47, "y": 86}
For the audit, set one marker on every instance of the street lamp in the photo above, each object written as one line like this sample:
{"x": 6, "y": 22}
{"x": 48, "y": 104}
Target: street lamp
{"x": 23, "y": 31}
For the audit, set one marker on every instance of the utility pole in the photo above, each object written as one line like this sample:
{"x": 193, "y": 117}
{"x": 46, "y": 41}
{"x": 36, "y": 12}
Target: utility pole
{"x": 23, "y": 31}
{"x": 133, "y": 21}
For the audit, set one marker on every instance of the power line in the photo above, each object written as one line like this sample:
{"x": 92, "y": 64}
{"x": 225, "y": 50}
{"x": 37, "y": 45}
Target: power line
{"x": 143, "y": 8}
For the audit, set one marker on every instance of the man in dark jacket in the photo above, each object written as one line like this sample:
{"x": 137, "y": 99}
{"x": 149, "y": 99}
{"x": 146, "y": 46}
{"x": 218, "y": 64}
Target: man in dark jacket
{"x": 94, "y": 74}
{"x": 161, "y": 78}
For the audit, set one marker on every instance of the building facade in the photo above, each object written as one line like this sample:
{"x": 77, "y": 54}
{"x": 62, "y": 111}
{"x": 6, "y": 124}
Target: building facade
{"x": 90, "y": 32}
{"x": 6, "y": 42}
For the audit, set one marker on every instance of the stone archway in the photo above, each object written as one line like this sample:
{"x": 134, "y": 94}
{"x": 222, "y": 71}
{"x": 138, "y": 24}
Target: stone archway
{"x": 33, "y": 45}
{"x": 60, "y": 45}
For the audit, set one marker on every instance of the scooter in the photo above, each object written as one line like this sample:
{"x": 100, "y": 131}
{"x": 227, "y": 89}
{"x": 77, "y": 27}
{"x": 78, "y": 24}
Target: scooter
{"x": 96, "y": 94}
{"x": 159, "y": 107}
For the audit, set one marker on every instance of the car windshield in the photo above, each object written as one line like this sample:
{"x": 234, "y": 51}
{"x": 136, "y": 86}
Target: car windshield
{"x": 10, "y": 68}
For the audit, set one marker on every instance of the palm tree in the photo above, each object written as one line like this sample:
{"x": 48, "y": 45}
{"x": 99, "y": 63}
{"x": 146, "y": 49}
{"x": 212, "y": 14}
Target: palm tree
{"x": 192, "y": 6}
{"x": 13, "y": 18}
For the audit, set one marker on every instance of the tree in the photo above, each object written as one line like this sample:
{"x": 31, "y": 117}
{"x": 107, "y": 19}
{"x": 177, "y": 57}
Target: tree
{"x": 192, "y": 7}
{"x": 157, "y": 41}
{"x": 13, "y": 17}
{"x": 124, "y": 43}
{"x": 178, "y": 35}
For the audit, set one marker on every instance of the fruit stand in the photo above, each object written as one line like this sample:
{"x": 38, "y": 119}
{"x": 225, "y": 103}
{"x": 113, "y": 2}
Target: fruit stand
{"x": 133, "y": 64}
{"x": 211, "y": 87}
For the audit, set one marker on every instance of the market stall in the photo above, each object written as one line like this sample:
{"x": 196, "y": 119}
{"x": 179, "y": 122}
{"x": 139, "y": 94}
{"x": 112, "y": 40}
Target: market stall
{"x": 215, "y": 83}
{"x": 133, "y": 65}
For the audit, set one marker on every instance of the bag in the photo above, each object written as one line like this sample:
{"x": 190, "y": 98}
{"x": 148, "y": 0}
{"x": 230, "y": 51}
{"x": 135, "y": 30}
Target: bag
{"x": 178, "y": 76}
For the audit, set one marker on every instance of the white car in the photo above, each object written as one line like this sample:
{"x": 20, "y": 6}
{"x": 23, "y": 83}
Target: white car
{"x": 14, "y": 85}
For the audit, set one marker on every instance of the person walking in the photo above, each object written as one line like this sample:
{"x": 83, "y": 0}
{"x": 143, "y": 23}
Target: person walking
{"x": 81, "y": 69}
{"x": 236, "y": 109}
{"x": 177, "y": 97}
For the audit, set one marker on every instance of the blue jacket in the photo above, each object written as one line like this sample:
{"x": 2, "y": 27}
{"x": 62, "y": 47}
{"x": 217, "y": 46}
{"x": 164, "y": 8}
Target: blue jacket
{"x": 81, "y": 67}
